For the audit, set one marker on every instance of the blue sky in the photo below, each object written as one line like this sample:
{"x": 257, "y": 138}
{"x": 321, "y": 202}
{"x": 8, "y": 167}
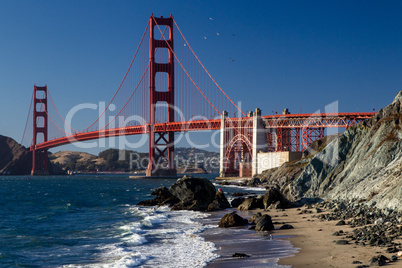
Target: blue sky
{"x": 287, "y": 54}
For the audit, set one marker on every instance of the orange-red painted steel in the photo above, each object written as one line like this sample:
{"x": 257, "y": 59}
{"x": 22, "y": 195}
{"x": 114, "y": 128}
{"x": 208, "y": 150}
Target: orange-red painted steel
{"x": 343, "y": 120}
{"x": 39, "y": 155}
{"x": 165, "y": 138}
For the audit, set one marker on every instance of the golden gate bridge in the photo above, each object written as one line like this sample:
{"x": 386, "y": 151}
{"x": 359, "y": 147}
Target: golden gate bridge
{"x": 167, "y": 89}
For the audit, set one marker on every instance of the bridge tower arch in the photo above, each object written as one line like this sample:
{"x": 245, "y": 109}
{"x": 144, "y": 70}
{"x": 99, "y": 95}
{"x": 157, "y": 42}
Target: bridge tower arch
{"x": 40, "y": 127}
{"x": 161, "y": 143}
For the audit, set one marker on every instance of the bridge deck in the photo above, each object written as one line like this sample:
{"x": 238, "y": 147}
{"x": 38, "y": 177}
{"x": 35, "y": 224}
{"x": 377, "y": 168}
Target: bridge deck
{"x": 328, "y": 120}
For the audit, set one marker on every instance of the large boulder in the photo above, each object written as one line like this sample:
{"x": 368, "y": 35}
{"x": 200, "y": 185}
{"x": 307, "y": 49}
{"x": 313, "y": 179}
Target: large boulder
{"x": 193, "y": 193}
{"x": 263, "y": 222}
{"x": 274, "y": 196}
{"x": 220, "y": 202}
{"x": 251, "y": 203}
{"x": 232, "y": 220}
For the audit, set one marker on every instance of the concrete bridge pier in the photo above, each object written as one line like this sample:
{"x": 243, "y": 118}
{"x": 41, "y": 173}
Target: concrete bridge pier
{"x": 260, "y": 141}
{"x": 222, "y": 145}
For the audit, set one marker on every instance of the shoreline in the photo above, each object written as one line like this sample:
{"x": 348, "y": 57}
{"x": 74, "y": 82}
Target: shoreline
{"x": 315, "y": 241}
{"x": 262, "y": 249}
{"x": 310, "y": 244}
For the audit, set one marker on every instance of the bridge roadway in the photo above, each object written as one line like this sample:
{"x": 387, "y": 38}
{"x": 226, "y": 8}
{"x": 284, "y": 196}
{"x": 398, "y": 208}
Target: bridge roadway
{"x": 326, "y": 120}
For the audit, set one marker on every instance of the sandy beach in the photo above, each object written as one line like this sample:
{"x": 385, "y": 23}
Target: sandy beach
{"x": 310, "y": 243}
{"x": 315, "y": 242}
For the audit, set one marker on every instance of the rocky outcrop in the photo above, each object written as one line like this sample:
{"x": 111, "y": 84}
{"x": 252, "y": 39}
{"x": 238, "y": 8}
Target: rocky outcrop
{"x": 274, "y": 197}
{"x": 364, "y": 163}
{"x": 193, "y": 193}
{"x": 15, "y": 159}
{"x": 163, "y": 197}
{"x": 189, "y": 193}
{"x": 282, "y": 176}
{"x": 232, "y": 220}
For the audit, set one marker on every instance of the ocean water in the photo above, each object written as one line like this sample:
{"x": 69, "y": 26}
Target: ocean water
{"x": 93, "y": 221}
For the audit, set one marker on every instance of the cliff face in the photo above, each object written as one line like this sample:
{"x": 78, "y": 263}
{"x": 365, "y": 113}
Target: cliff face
{"x": 15, "y": 159}
{"x": 364, "y": 163}
{"x": 284, "y": 175}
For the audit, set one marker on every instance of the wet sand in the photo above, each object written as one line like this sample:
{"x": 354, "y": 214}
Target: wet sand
{"x": 309, "y": 244}
{"x": 263, "y": 251}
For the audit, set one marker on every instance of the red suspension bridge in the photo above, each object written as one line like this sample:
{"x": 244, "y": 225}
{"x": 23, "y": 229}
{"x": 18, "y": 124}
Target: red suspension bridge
{"x": 167, "y": 89}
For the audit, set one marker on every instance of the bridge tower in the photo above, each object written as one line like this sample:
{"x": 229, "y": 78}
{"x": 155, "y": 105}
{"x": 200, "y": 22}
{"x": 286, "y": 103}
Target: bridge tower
{"x": 161, "y": 143}
{"x": 40, "y": 124}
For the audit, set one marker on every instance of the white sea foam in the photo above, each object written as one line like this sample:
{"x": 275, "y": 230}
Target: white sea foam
{"x": 134, "y": 240}
{"x": 154, "y": 219}
{"x": 159, "y": 238}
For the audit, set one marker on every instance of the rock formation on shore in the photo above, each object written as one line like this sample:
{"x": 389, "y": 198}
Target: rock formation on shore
{"x": 189, "y": 193}
{"x": 364, "y": 163}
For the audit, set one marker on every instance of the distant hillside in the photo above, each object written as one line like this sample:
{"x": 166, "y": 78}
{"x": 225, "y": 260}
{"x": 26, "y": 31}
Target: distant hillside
{"x": 75, "y": 160}
{"x": 15, "y": 159}
{"x": 188, "y": 160}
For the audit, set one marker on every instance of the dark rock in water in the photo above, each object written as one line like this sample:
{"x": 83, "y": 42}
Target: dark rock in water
{"x": 379, "y": 260}
{"x": 161, "y": 191}
{"x": 164, "y": 197}
{"x": 237, "y": 201}
{"x": 193, "y": 193}
{"x": 262, "y": 222}
{"x": 220, "y": 202}
{"x": 240, "y": 255}
{"x": 149, "y": 203}
{"x": 232, "y": 220}
{"x": 187, "y": 193}
{"x": 342, "y": 222}
{"x": 272, "y": 196}
{"x": 251, "y": 203}
{"x": 286, "y": 226}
